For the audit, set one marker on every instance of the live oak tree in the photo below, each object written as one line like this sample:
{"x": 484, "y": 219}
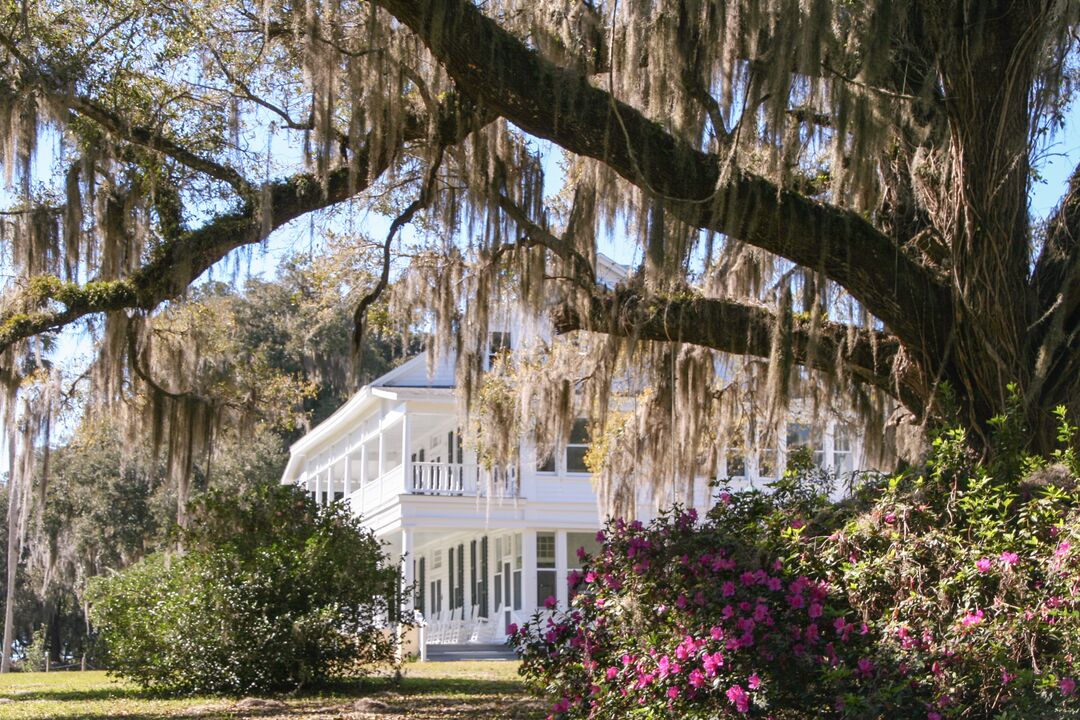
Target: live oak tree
{"x": 830, "y": 198}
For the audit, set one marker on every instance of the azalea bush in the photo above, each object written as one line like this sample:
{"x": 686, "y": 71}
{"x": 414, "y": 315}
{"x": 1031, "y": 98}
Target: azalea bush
{"x": 947, "y": 591}
{"x": 271, "y": 593}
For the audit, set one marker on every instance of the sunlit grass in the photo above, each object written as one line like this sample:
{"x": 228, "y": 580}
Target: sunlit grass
{"x": 476, "y": 690}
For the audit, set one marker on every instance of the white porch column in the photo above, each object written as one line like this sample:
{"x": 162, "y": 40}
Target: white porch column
{"x": 528, "y": 570}
{"x": 562, "y": 592}
{"x": 407, "y": 578}
{"x": 318, "y": 487}
{"x": 382, "y": 451}
{"x": 363, "y": 476}
{"x": 406, "y": 444}
{"x": 348, "y": 479}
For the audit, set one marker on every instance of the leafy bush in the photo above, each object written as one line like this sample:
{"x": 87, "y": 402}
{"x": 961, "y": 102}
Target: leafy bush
{"x": 947, "y": 592}
{"x": 272, "y": 593}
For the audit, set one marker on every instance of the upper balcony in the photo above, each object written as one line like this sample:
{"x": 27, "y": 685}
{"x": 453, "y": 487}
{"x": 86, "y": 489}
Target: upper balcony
{"x": 407, "y": 444}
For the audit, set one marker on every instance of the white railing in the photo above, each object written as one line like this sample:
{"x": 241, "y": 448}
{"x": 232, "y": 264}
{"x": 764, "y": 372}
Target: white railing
{"x": 439, "y": 478}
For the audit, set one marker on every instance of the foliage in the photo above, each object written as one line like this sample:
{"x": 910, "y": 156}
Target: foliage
{"x": 274, "y": 593}
{"x": 941, "y": 592}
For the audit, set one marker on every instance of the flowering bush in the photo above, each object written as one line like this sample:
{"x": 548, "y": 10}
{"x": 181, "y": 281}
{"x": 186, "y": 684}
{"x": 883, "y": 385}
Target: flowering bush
{"x": 945, "y": 593}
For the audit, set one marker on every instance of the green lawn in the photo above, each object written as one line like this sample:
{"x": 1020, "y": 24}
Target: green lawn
{"x": 474, "y": 690}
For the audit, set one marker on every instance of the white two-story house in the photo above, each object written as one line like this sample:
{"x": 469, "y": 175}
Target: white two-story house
{"x": 482, "y": 548}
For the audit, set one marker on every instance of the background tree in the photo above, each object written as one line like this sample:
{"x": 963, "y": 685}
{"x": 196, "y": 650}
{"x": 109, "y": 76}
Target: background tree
{"x": 108, "y": 501}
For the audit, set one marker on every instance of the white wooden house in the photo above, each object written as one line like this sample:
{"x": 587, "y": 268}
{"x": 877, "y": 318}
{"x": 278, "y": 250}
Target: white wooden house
{"x": 483, "y": 549}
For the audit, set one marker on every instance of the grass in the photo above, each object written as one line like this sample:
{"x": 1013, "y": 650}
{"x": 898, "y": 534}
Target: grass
{"x": 473, "y": 690}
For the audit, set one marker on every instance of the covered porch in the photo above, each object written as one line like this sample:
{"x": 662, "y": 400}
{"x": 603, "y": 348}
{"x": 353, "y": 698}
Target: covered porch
{"x": 409, "y": 445}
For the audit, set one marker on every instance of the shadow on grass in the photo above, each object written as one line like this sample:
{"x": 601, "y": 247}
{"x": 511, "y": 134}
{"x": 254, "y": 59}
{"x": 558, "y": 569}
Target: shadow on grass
{"x": 411, "y": 697}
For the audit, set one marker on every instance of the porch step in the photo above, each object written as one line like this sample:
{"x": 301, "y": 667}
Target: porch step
{"x": 470, "y": 651}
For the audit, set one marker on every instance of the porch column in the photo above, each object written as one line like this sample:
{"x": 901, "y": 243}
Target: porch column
{"x": 363, "y": 476}
{"x": 562, "y": 592}
{"x": 407, "y": 578}
{"x": 382, "y": 451}
{"x": 348, "y": 479}
{"x": 528, "y": 570}
{"x": 318, "y": 487}
{"x": 406, "y": 444}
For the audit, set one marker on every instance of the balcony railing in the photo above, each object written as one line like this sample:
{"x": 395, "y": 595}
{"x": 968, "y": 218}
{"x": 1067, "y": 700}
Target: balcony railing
{"x": 437, "y": 478}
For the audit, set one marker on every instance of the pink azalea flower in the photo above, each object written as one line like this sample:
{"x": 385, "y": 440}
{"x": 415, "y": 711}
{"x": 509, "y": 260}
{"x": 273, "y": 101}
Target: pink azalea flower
{"x": 983, "y": 565}
{"x": 753, "y": 682}
{"x": 550, "y": 602}
{"x": 933, "y": 715}
{"x": 1008, "y": 559}
{"x": 1067, "y": 686}
{"x": 697, "y": 679}
{"x": 1062, "y": 549}
{"x": 739, "y": 698}
{"x": 673, "y": 692}
{"x": 890, "y": 518}
{"x": 612, "y": 673}
{"x": 972, "y": 618}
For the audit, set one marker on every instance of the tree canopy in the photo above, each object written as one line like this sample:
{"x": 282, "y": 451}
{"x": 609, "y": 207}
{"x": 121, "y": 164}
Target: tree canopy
{"x": 830, "y": 198}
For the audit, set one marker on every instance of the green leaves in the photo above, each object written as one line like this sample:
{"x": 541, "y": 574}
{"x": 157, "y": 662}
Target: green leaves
{"x": 274, "y": 594}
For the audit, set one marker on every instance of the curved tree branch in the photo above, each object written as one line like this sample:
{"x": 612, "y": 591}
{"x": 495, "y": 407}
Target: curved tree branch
{"x": 871, "y": 357}
{"x": 560, "y": 105}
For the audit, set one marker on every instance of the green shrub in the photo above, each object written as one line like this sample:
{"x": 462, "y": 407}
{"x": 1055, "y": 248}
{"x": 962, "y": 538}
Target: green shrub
{"x": 272, "y": 593}
{"x": 948, "y": 591}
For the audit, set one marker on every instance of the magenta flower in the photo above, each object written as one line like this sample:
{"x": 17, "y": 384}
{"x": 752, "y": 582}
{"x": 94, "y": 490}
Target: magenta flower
{"x": 550, "y": 602}
{"x": 673, "y": 692}
{"x": 865, "y": 668}
{"x": 612, "y": 673}
{"x": 932, "y": 715}
{"x": 890, "y": 518}
{"x": 1067, "y": 686}
{"x": 1062, "y": 549}
{"x": 983, "y": 565}
{"x": 697, "y": 679}
{"x": 973, "y": 618}
{"x": 727, "y": 588}
{"x": 754, "y": 681}
{"x": 739, "y": 698}
{"x": 1008, "y": 559}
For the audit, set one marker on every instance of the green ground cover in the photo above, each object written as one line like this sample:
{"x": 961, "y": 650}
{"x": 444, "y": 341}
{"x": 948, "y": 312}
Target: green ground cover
{"x": 475, "y": 690}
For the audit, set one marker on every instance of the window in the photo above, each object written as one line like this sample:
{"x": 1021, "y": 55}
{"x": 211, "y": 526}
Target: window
{"x": 483, "y": 590}
{"x": 474, "y": 591}
{"x": 421, "y": 583}
{"x": 577, "y": 446}
{"x": 767, "y": 466}
{"x": 801, "y": 435}
{"x": 436, "y": 597}
{"x": 547, "y": 464}
{"x": 461, "y": 575}
{"x": 842, "y": 462}
{"x": 736, "y": 463}
{"x": 576, "y": 542}
{"x": 498, "y": 345}
{"x": 436, "y": 560}
{"x": 450, "y": 579}
{"x": 516, "y": 544}
{"x": 545, "y": 567}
